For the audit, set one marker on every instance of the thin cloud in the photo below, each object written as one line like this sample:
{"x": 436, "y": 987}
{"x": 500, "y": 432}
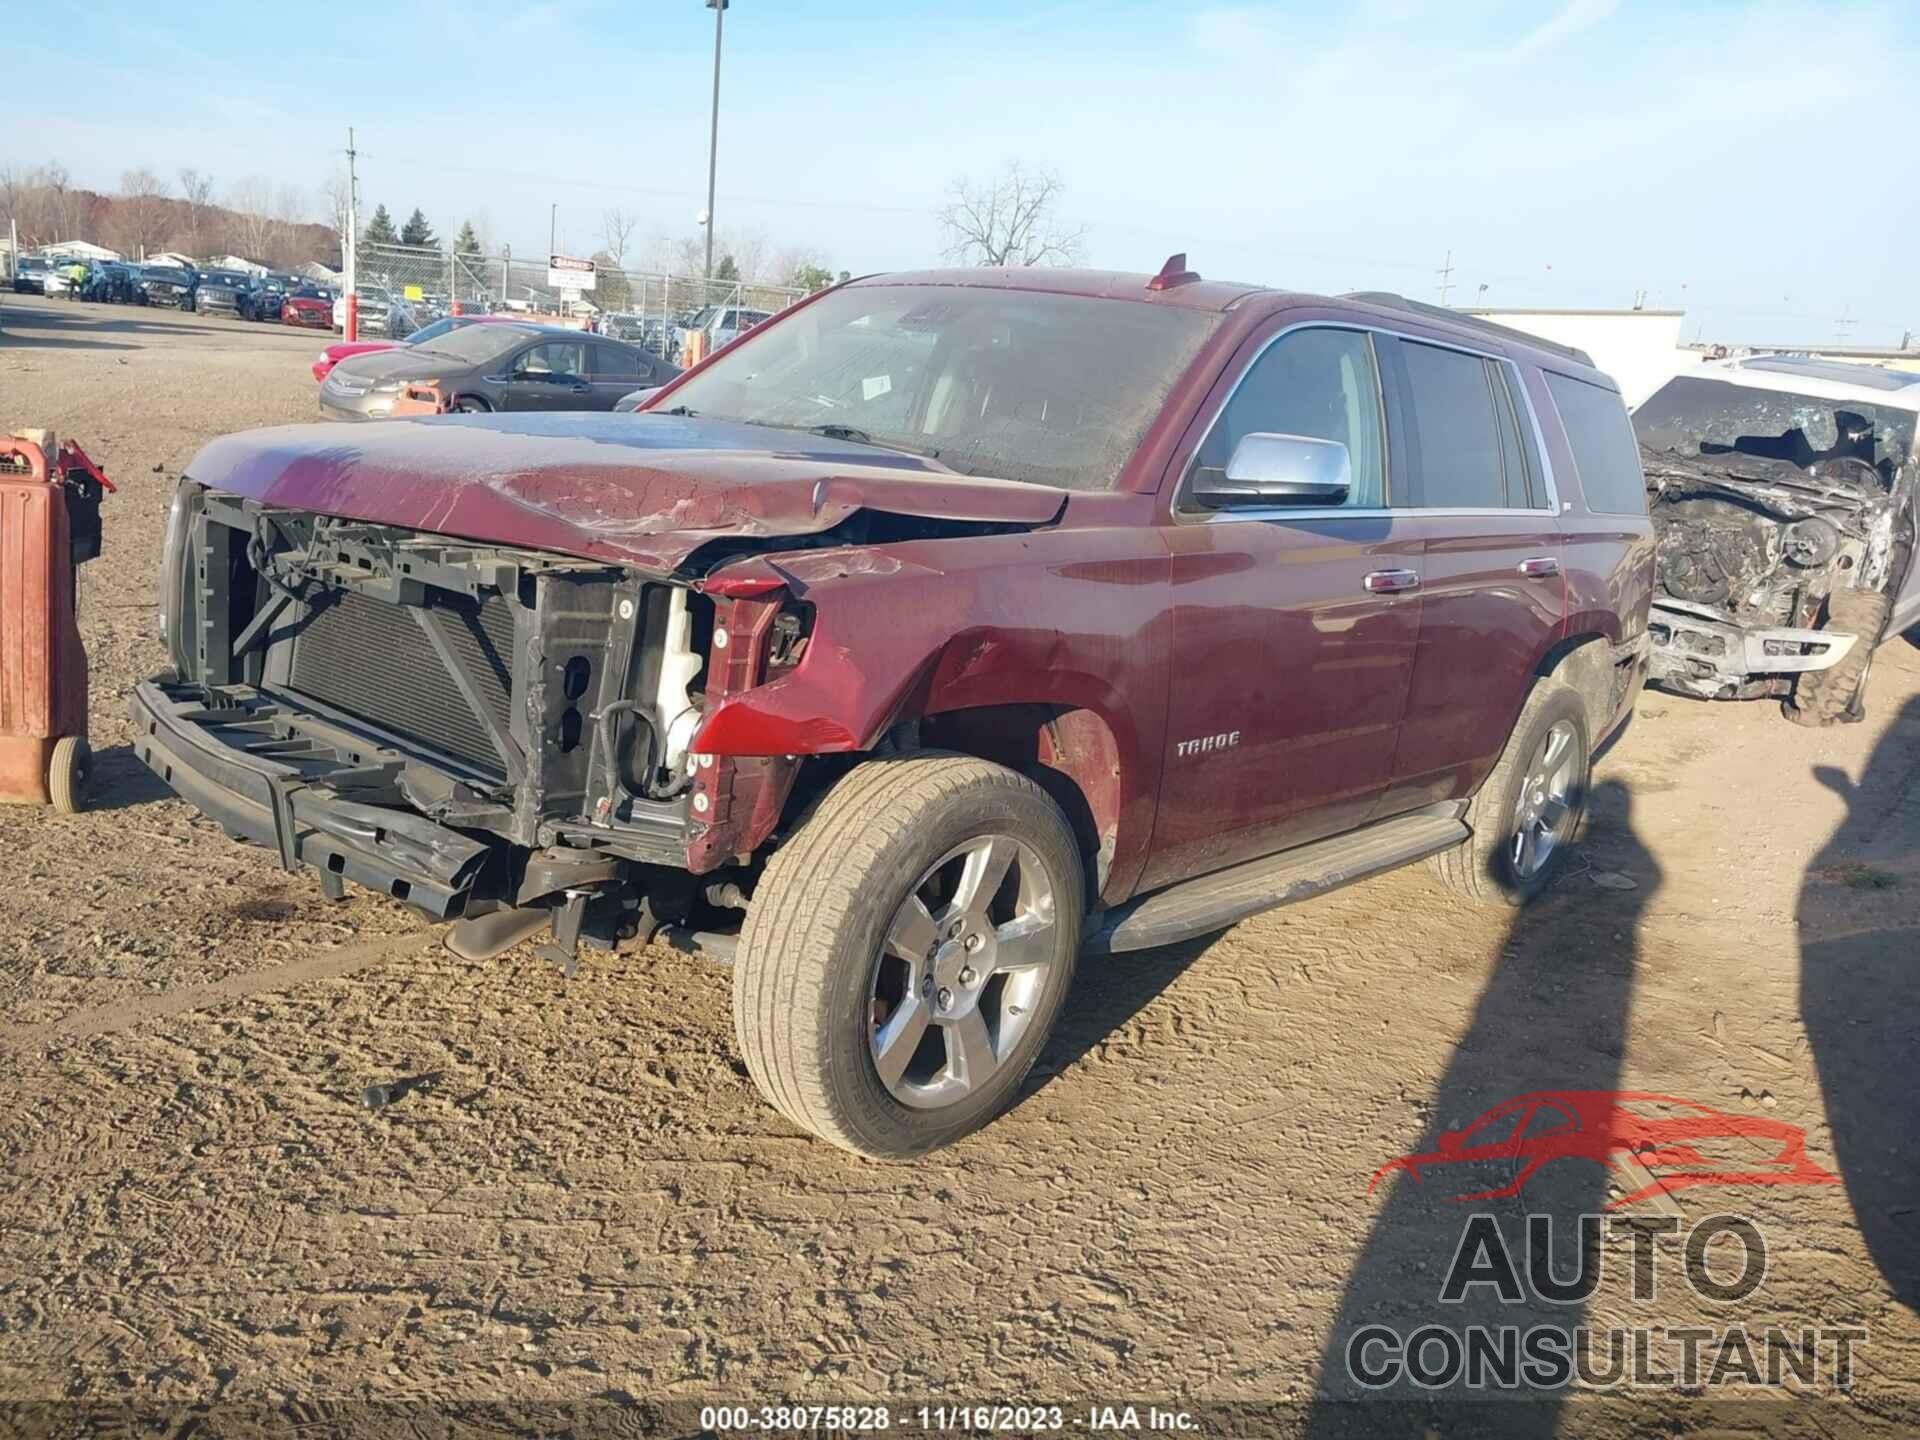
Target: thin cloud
{"x": 1573, "y": 17}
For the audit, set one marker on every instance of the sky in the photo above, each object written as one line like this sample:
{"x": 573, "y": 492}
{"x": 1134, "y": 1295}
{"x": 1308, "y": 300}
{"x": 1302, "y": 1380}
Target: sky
{"x": 1750, "y": 161}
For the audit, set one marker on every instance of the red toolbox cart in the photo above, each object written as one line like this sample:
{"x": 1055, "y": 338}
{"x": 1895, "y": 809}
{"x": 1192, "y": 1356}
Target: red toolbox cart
{"x": 49, "y": 526}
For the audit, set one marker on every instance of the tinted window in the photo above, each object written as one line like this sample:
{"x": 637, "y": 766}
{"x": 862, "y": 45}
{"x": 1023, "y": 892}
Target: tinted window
{"x": 610, "y": 362}
{"x": 1458, "y": 464}
{"x": 432, "y": 332}
{"x": 1518, "y": 458}
{"x": 1605, "y": 454}
{"x": 1318, "y": 383}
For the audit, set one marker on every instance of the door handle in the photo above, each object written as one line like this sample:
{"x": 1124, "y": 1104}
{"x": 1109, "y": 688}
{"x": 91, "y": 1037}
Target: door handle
{"x": 1540, "y": 567}
{"x": 1391, "y": 582}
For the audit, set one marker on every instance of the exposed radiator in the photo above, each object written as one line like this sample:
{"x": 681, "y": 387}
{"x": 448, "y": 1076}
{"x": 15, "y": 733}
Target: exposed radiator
{"x": 373, "y": 660}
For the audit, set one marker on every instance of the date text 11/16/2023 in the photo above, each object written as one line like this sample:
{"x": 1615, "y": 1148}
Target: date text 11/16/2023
{"x": 936, "y": 1419}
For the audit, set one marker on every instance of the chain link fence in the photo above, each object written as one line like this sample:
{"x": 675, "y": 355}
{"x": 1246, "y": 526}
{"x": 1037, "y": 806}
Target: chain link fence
{"x": 402, "y": 287}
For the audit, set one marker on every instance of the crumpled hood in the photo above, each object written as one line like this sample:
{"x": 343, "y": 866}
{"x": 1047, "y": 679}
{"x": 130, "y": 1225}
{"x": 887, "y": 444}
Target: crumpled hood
{"x": 640, "y": 490}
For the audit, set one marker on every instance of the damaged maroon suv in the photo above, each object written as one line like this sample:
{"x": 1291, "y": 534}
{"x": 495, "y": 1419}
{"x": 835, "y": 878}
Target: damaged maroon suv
{"x": 942, "y": 632}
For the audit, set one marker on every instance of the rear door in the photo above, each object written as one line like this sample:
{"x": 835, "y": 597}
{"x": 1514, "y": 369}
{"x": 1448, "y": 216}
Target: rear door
{"x": 617, "y": 371}
{"x": 1294, "y": 626}
{"x": 552, "y": 375}
{"x": 1477, "y": 493}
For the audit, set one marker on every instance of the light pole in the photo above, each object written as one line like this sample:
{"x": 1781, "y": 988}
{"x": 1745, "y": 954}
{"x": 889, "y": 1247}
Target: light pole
{"x": 553, "y": 219}
{"x": 719, "y": 8}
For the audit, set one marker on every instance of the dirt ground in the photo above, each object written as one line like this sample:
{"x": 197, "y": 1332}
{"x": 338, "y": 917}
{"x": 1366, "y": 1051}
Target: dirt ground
{"x": 579, "y": 1194}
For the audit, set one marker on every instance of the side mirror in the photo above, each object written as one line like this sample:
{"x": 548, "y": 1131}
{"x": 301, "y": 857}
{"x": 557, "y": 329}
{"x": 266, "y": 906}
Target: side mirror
{"x": 1268, "y": 469}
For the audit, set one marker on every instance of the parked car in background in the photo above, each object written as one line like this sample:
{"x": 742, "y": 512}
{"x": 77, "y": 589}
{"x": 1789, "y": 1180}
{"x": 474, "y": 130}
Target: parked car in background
{"x": 223, "y": 293}
{"x": 114, "y": 283}
{"x": 1784, "y": 495}
{"x": 60, "y": 277}
{"x": 382, "y": 312}
{"x": 308, "y": 306}
{"x": 729, "y": 322}
{"x": 263, "y": 299}
{"x": 172, "y": 285}
{"x": 30, "y": 274}
{"x": 949, "y": 626}
{"x": 347, "y": 349}
{"x": 493, "y": 367}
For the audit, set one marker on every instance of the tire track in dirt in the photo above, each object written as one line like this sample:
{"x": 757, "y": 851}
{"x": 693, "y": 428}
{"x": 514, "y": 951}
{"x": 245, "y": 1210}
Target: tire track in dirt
{"x": 124, "y": 1015}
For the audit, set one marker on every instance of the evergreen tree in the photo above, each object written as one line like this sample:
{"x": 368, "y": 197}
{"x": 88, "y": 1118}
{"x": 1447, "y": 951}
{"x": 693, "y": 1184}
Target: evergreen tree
{"x": 726, "y": 269}
{"x": 467, "y": 242}
{"x": 380, "y": 228}
{"x": 416, "y": 231}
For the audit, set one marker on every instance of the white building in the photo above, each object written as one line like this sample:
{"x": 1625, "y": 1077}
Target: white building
{"x": 1640, "y": 349}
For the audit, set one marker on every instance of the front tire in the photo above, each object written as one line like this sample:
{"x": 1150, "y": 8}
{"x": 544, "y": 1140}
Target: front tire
{"x": 1532, "y": 807}
{"x": 1837, "y": 696}
{"x": 907, "y": 952}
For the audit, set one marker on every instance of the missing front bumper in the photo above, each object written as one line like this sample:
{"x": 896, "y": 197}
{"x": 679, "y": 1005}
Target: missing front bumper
{"x": 249, "y": 765}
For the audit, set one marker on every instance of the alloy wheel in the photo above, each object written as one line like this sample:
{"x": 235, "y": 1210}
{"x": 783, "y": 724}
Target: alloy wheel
{"x": 1543, "y": 815}
{"x": 967, "y": 958}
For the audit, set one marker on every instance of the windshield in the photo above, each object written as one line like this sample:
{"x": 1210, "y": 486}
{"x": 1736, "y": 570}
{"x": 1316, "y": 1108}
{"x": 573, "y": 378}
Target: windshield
{"x": 1022, "y": 385}
{"x": 476, "y": 343}
{"x": 1708, "y": 418}
{"x": 160, "y": 272}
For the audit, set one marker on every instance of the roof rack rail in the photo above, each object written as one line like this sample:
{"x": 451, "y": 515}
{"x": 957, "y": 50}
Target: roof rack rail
{"x": 1387, "y": 300}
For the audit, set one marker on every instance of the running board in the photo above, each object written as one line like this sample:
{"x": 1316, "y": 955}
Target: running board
{"x": 1226, "y": 897}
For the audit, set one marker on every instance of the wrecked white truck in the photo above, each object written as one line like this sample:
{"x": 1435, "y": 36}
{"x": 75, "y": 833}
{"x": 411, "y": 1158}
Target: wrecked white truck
{"x": 1782, "y": 492}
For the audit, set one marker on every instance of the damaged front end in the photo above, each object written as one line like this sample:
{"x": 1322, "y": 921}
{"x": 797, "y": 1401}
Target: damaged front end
{"x": 468, "y": 728}
{"x": 1758, "y": 530}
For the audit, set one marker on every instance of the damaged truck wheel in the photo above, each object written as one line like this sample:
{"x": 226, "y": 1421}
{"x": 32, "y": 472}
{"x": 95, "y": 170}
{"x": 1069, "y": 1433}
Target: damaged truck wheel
{"x": 1838, "y": 695}
{"x": 907, "y": 952}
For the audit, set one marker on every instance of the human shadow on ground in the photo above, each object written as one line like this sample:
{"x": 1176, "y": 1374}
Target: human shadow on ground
{"x": 1858, "y": 916}
{"x": 1552, "y": 1017}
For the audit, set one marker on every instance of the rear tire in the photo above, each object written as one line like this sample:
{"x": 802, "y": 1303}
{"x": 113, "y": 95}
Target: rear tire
{"x": 467, "y": 405}
{"x": 1531, "y": 785}
{"x": 848, "y": 961}
{"x": 1837, "y": 696}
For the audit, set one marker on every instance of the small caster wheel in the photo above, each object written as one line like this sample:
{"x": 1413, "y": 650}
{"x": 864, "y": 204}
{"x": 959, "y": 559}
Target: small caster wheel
{"x": 67, "y": 773}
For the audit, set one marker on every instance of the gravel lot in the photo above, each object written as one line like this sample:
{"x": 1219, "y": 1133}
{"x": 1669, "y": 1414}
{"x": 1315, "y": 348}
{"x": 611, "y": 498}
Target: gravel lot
{"x": 579, "y": 1194}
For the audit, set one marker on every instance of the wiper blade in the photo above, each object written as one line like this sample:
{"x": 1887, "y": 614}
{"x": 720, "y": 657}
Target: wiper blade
{"x": 842, "y": 432}
{"x": 860, "y": 437}
{"x": 677, "y": 410}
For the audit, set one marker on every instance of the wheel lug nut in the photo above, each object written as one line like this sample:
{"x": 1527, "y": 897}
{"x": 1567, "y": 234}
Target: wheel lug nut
{"x": 945, "y": 998}
{"x": 926, "y": 986}
{"x": 966, "y": 975}
{"x": 953, "y": 930}
{"x": 973, "y": 943}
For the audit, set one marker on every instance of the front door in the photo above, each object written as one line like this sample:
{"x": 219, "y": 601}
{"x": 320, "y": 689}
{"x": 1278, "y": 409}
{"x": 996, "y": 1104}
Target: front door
{"x": 549, "y": 376}
{"x": 1295, "y": 628}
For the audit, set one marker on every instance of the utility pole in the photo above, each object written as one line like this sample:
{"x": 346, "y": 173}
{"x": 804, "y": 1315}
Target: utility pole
{"x": 719, "y": 8}
{"x": 351, "y": 328}
{"x": 553, "y": 220}
{"x": 1445, "y": 272}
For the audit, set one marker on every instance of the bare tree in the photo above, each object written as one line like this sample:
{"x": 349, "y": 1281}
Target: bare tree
{"x": 616, "y": 229}
{"x": 1011, "y": 220}
{"x": 336, "y": 207}
{"x": 142, "y": 216}
{"x": 59, "y": 202}
{"x": 256, "y": 229}
{"x": 197, "y": 190}
{"x": 16, "y": 191}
